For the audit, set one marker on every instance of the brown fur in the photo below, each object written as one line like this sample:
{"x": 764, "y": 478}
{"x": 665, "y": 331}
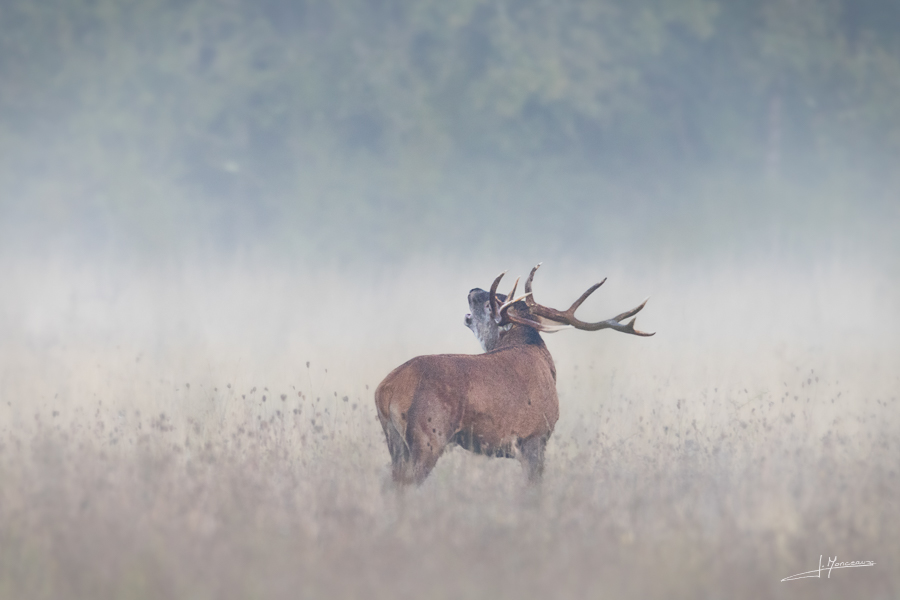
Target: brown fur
{"x": 501, "y": 403}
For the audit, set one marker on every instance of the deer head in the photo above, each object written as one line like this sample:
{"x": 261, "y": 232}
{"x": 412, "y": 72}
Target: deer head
{"x": 480, "y": 319}
{"x": 491, "y": 314}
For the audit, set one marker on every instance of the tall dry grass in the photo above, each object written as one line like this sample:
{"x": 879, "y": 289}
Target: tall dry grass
{"x": 208, "y": 431}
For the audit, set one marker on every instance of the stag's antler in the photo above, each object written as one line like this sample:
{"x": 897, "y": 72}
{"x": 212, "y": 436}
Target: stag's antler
{"x": 500, "y": 312}
{"x": 568, "y": 316}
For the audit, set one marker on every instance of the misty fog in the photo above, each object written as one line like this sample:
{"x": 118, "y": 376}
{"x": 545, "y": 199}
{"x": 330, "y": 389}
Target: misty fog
{"x": 222, "y": 224}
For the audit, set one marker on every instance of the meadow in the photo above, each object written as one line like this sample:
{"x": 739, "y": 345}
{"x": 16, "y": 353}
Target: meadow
{"x": 206, "y": 429}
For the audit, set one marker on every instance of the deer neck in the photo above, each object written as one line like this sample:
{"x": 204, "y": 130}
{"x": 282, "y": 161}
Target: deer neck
{"x": 519, "y": 335}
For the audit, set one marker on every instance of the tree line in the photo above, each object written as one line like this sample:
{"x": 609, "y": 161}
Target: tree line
{"x": 134, "y": 99}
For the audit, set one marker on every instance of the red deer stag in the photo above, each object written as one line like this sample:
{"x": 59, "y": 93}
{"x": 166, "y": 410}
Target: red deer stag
{"x": 501, "y": 403}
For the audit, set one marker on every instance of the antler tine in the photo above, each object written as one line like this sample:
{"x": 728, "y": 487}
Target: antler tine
{"x": 584, "y": 296}
{"x": 629, "y": 328}
{"x": 530, "y": 299}
{"x": 510, "y": 300}
{"x": 495, "y": 308}
{"x": 630, "y": 324}
{"x": 512, "y": 294}
{"x": 632, "y": 312}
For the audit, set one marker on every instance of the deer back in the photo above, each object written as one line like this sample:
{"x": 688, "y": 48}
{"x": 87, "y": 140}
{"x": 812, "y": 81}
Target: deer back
{"x": 497, "y": 396}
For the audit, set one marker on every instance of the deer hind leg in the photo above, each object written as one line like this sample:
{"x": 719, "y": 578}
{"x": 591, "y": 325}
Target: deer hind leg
{"x": 399, "y": 450}
{"x": 531, "y": 455}
{"x": 428, "y": 433}
{"x": 424, "y": 454}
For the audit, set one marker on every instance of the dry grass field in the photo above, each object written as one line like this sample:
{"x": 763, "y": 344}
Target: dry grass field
{"x": 208, "y": 431}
